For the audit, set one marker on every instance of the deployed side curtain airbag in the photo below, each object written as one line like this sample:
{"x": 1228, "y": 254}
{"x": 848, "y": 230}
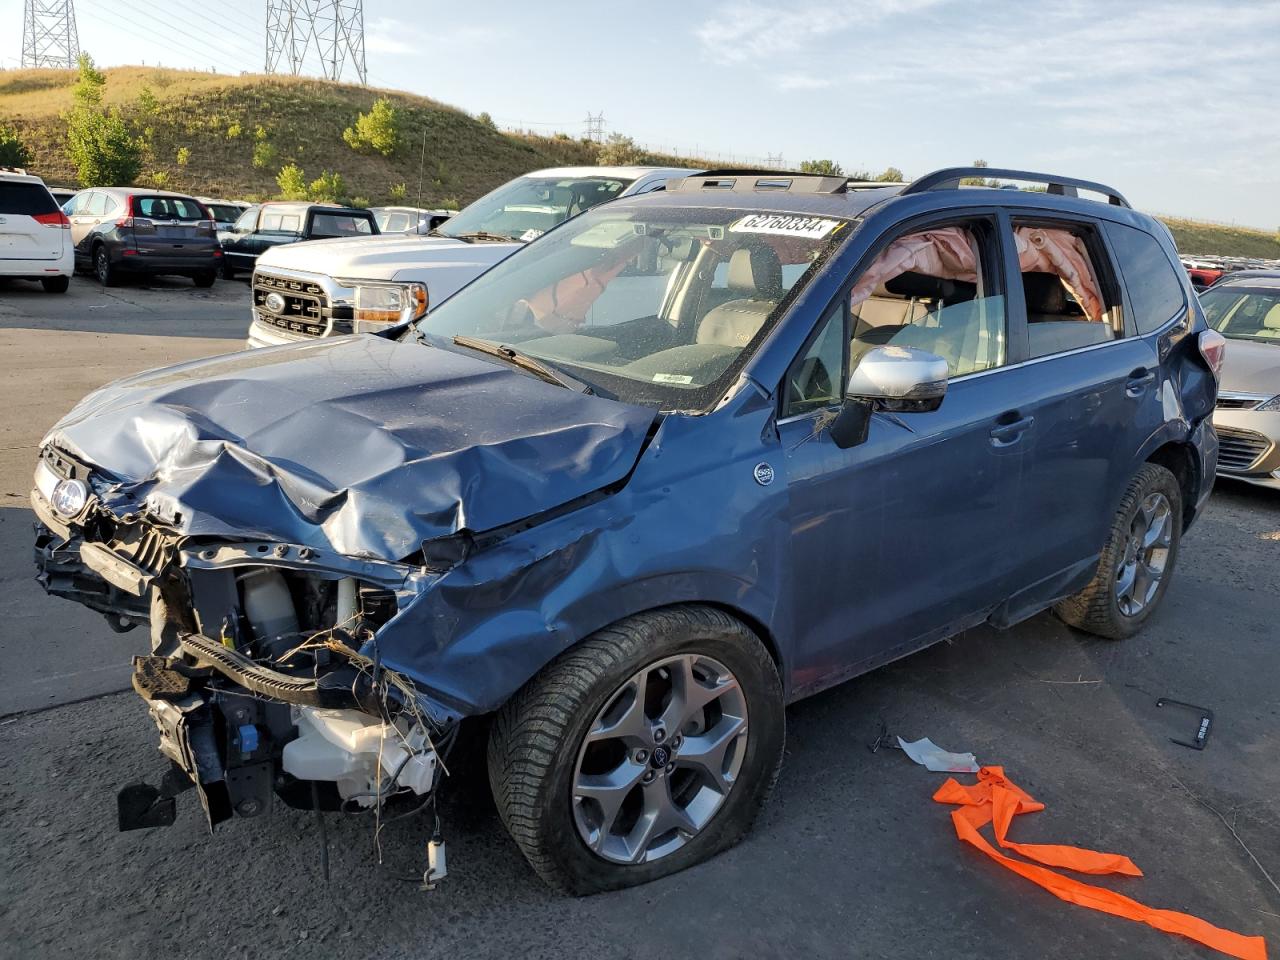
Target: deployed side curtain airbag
{"x": 1062, "y": 253}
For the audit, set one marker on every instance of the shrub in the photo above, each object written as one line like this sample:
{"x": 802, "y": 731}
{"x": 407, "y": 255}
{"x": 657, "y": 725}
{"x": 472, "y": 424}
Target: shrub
{"x": 260, "y": 133}
{"x": 398, "y": 192}
{"x": 485, "y": 120}
{"x": 147, "y": 102}
{"x": 13, "y": 152}
{"x": 827, "y": 168}
{"x": 87, "y": 90}
{"x": 891, "y": 175}
{"x": 619, "y": 151}
{"x": 378, "y": 130}
{"x": 292, "y": 183}
{"x": 233, "y": 131}
{"x": 264, "y": 154}
{"x": 101, "y": 149}
{"x": 360, "y": 201}
{"x": 327, "y": 187}
{"x": 184, "y": 155}
{"x": 160, "y": 179}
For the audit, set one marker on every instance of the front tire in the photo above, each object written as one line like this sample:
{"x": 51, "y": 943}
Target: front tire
{"x": 1137, "y": 560}
{"x": 630, "y": 756}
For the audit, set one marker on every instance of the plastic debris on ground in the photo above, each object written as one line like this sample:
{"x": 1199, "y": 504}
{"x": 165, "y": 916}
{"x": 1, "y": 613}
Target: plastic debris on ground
{"x": 932, "y": 757}
{"x": 996, "y": 800}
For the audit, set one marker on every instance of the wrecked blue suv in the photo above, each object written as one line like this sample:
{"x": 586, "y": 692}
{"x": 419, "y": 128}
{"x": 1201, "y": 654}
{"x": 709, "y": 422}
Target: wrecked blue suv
{"x": 685, "y": 459}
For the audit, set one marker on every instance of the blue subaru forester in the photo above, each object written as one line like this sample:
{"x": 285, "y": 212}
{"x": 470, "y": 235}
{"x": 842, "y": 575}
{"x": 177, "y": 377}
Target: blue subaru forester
{"x": 688, "y": 457}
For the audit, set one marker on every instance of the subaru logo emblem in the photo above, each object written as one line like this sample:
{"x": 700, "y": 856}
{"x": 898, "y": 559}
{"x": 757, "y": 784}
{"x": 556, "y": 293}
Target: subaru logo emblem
{"x": 274, "y": 302}
{"x": 763, "y": 474}
{"x": 661, "y": 756}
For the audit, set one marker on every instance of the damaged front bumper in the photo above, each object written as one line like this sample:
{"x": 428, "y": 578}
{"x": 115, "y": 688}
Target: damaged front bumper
{"x": 263, "y": 676}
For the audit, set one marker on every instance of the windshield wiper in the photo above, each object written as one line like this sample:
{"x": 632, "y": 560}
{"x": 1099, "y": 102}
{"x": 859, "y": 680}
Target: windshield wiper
{"x": 480, "y": 235}
{"x": 523, "y": 361}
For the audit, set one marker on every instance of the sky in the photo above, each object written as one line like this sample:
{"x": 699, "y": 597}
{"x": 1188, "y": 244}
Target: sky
{"x": 1176, "y": 103}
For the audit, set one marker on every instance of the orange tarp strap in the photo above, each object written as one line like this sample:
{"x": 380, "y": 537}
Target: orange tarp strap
{"x": 996, "y": 800}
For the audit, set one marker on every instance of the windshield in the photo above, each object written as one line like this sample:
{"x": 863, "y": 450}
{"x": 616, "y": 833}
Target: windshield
{"x": 1244, "y": 313}
{"x": 530, "y": 206}
{"x": 654, "y": 305}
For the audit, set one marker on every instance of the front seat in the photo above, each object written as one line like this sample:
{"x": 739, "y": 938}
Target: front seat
{"x": 754, "y": 276}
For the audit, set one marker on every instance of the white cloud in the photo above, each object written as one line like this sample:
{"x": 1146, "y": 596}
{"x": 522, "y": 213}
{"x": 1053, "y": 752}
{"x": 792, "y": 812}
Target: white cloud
{"x": 396, "y": 37}
{"x": 802, "y": 81}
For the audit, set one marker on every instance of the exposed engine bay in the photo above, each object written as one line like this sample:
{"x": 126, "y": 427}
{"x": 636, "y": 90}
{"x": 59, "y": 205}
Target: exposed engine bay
{"x": 263, "y": 676}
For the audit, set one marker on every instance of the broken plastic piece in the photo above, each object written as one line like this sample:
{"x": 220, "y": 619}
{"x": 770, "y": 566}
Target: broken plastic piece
{"x": 932, "y": 757}
{"x": 1202, "y": 728}
{"x": 437, "y": 865}
{"x": 995, "y": 799}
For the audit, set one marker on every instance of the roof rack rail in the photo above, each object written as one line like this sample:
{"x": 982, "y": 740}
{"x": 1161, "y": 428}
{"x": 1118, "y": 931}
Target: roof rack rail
{"x": 950, "y": 177}
{"x": 750, "y": 181}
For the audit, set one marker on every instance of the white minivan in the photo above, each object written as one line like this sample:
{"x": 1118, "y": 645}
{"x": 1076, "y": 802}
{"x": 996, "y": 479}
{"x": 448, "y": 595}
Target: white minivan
{"x": 324, "y": 288}
{"x": 35, "y": 235}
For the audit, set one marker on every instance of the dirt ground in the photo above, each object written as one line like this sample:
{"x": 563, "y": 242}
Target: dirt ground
{"x": 851, "y": 859}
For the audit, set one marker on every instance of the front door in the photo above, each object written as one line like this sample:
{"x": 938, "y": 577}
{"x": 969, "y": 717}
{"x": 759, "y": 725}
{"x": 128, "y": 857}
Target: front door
{"x": 910, "y": 536}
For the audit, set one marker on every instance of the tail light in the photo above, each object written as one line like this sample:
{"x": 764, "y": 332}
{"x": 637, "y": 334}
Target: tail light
{"x": 137, "y": 224}
{"x": 1213, "y": 347}
{"x": 55, "y": 219}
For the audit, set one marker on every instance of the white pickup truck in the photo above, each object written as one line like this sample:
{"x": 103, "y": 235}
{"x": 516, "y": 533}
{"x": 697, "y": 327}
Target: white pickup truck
{"x": 324, "y": 288}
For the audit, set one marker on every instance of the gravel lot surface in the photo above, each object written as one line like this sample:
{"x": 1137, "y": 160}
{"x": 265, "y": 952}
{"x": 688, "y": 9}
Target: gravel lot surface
{"x": 852, "y": 859}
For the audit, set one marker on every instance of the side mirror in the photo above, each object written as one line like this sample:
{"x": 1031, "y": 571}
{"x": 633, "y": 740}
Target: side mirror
{"x": 893, "y": 378}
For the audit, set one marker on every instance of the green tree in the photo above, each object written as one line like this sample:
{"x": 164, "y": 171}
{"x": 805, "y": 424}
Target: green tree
{"x": 979, "y": 181}
{"x": 87, "y": 91}
{"x": 147, "y": 102}
{"x": 327, "y": 187}
{"x": 184, "y": 156}
{"x": 13, "y": 152}
{"x": 379, "y": 129}
{"x": 292, "y": 183}
{"x": 827, "y": 168}
{"x": 891, "y": 175}
{"x": 485, "y": 120}
{"x": 264, "y": 154}
{"x": 398, "y": 192}
{"x": 101, "y": 148}
{"x": 620, "y": 151}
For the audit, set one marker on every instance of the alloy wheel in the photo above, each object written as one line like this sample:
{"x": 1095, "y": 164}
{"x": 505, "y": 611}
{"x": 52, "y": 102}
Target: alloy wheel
{"x": 1146, "y": 554}
{"x": 660, "y": 759}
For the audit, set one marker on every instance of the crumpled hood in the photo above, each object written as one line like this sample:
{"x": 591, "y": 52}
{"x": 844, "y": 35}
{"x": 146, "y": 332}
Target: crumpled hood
{"x": 381, "y": 258}
{"x": 358, "y": 444}
{"x": 1252, "y": 367}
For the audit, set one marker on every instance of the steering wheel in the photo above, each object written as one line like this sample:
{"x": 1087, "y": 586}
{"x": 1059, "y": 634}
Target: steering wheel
{"x": 811, "y": 381}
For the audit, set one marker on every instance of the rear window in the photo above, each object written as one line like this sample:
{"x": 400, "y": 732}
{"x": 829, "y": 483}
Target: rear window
{"x": 224, "y": 212}
{"x": 168, "y": 208}
{"x": 325, "y": 225}
{"x": 280, "y": 223}
{"x": 1154, "y": 284}
{"x": 25, "y": 198}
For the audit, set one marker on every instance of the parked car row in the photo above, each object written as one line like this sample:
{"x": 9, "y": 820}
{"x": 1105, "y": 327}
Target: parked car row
{"x": 690, "y": 456}
{"x": 1206, "y": 271}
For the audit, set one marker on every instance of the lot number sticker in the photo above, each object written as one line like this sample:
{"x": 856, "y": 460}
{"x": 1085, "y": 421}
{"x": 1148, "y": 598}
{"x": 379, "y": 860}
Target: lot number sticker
{"x": 784, "y": 225}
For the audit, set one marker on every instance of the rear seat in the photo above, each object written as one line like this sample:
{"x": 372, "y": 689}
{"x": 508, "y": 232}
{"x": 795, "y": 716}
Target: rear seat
{"x": 1052, "y": 326}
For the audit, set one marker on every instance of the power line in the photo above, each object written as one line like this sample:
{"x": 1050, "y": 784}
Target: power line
{"x": 49, "y": 36}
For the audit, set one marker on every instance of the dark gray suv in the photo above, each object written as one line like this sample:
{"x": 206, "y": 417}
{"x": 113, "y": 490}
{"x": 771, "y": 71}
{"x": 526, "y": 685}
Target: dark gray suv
{"x": 119, "y": 231}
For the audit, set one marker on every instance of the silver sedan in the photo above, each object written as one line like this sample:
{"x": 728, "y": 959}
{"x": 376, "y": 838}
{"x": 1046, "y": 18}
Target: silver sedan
{"x": 1245, "y": 308}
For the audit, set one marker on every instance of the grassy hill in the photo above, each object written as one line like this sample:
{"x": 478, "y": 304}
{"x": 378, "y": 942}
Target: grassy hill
{"x": 216, "y": 117}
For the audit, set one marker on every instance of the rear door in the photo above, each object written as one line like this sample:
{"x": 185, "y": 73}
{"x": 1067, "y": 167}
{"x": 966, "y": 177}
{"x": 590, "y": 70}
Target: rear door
{"x": 276, "y": 227}
{"x": 1090, "y": 384}
{"x": 30, "y": 222}
{"x": 170, "y": 226}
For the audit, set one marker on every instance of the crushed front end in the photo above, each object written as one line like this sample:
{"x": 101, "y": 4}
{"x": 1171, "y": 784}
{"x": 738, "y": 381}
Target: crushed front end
{"x": 263, "y": 675}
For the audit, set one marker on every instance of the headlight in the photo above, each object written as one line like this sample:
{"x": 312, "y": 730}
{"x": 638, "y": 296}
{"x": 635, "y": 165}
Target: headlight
{"x": 1271, "y": 406}
{"x": 69, "y": 497}
{"x": 390, "y": 302}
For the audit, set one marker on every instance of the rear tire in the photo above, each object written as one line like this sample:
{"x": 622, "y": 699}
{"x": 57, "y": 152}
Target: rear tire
{"x": 55, "y": 284}
{"x": 718, "y": 770}
{"x": 1137, "y": 560}
{"x": 205, "y": 279}
{"x": 107, "y": 275}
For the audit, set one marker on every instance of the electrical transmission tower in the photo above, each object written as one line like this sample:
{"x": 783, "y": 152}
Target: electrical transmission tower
{"x": 49, "y": 36}
{"x": 333, "y": 30}
{"x": 595, "y": 126}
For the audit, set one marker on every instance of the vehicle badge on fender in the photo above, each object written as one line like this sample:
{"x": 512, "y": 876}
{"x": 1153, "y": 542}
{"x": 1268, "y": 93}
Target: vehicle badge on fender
{"x": 763, "y": 474}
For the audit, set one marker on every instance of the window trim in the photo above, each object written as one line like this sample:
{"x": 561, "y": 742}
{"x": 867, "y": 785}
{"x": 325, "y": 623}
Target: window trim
{"x": 995, "y": 272}
{"x": 1179, "y": 273}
